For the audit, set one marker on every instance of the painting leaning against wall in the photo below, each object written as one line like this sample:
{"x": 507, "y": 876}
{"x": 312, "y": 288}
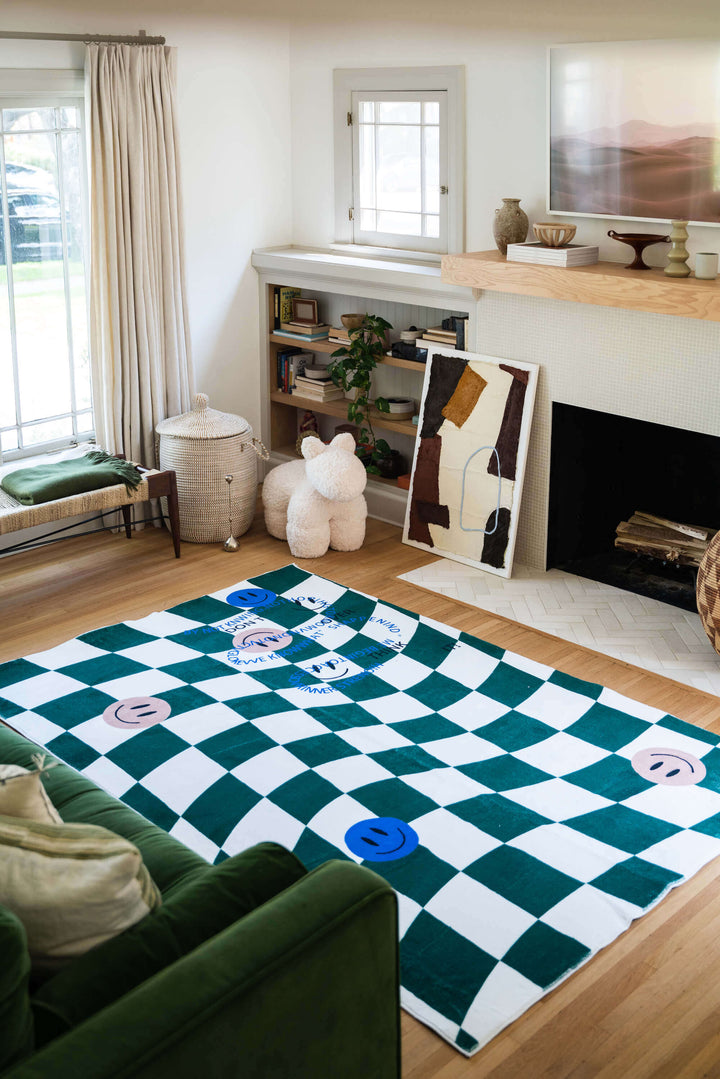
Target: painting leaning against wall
{"x": 470, "y": 455}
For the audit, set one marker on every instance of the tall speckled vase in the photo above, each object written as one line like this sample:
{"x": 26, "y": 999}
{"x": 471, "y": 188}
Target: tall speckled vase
{"x": 678, "y": 254}
{"x": 510, "y": 225}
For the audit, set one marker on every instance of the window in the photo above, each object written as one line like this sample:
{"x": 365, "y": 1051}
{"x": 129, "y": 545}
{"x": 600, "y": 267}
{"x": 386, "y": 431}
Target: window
{"x": 45, "y": 398}
{"x": 399, "y": 170}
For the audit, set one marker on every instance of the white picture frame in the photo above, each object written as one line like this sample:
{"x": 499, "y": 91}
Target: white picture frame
{"x": 634, "y": 130}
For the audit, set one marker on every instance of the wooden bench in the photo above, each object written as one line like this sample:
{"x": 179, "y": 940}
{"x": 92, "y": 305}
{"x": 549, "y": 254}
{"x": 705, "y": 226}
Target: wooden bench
{"x": 154, "y": 484}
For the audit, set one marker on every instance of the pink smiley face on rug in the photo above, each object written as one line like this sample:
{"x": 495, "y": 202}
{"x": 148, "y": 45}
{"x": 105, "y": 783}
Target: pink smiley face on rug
{"x": 672, "y": 767}
{"x": 262, "y": 639}
{"x": 133, "y": 713}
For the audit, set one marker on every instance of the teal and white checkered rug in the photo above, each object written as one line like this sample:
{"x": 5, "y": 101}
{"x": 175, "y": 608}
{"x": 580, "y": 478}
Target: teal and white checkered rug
{"x": 524, "y": 817}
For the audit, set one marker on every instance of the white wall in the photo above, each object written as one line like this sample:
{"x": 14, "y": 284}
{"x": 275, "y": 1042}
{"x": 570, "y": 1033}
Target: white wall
{"x": 505, "y": 67}
{"x": 233, "y": 95}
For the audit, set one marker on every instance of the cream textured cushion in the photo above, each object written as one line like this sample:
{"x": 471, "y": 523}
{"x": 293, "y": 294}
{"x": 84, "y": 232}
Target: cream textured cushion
{"x": 22, "y": 794}
{"x": 71, "y": 885}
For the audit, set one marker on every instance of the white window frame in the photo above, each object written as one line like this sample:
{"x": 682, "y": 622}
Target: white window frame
{"x": 347, "y": 81}
{"x": 49, "y": 87}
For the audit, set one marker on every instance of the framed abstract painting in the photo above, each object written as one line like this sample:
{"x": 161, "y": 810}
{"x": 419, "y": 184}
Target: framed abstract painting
{"x": 470, "y": 454}
{"x": 635, "y": 130}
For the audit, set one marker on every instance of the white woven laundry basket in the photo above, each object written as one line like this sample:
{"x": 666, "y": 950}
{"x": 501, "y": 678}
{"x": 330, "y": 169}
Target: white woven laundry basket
{"x": 203, "y": 446}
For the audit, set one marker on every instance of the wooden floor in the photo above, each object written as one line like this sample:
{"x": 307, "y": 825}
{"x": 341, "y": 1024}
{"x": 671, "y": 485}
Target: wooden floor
{"x": 648, "y": 1005}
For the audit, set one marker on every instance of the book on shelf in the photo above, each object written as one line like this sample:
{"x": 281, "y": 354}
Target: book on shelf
{"x": 440, "y": 336}
{"x": 339, "y": 336}
{"x": 305, "y": 328}
{"x": 326, "y": 393}
{"x": 570, "y": 255}
{"x": 290, "y": 364}
{"x": 282, "y": 303}
{"x": 458, "y": 324}
{"x": 321, "y": 335}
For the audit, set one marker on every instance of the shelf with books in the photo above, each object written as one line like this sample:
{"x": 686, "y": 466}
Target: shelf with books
{"x": 339, "y": 409}
{"x": 330, "y": 347}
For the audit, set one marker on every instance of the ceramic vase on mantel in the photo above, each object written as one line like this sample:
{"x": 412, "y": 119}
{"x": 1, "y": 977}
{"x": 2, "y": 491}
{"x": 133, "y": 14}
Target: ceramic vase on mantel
{"x": 678, "y": 254}
{"x": 510, "y": 225}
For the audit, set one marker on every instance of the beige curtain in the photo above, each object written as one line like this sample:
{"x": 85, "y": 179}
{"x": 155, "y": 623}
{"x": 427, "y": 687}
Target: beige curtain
{"x": 139, "y": 338}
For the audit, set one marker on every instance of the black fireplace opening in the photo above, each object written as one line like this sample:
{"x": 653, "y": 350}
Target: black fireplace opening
{"x": 604, "y": 468}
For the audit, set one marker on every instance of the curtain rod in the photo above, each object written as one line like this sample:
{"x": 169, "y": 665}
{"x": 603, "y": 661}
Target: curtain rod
{"x": 111, "y": 39}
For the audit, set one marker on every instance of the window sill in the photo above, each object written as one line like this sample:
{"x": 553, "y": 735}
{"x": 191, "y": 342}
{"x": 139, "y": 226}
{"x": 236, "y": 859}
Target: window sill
{"x": 394, "y": 253}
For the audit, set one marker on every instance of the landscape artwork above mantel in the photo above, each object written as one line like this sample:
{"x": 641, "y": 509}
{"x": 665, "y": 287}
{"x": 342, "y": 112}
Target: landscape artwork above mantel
{"x": 634, "y": 130}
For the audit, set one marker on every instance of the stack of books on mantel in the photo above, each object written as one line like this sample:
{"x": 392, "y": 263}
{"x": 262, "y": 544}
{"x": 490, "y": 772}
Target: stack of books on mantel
{"x": 303, "y": 331}
{"x": 570, "y": 255}
{"x": 318, "y": 389}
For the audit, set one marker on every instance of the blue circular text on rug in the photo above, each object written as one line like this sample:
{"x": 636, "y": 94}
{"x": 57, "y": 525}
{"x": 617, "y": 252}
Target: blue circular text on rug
{"x": 251, "y": 597}
{"x": 381, "y": 839}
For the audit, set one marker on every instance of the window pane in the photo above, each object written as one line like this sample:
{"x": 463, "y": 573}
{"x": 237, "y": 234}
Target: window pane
{"x": 406, "y": 224}
{"x": 399, "y": 175}
{"x": 28, "y": 119}
{"x": 368, "y": 219}
{"x": 70, "y": 117}
{"x": 367, "y": 165}
{"x": 46, "y": 214}
{"x": 431, "y": 225}
{"x": 36, "y": 434}
{"x": 367, "y": 112}
{"x": 431, "y": 112}
{"x": 9, "y": 441}
{"x": 72, "y": 163}
{"x": 398, "y": 112}
{"x": 431, "y": 140}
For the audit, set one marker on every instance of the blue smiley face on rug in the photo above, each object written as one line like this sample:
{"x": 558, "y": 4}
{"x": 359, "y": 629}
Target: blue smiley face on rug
{"x": 381, "y": 839}
{"x": 251, "y": 597}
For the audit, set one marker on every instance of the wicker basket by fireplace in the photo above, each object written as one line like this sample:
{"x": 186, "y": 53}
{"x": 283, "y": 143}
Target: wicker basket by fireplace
{"x": 708, "y": 592}
{"x": 203, "y": 446}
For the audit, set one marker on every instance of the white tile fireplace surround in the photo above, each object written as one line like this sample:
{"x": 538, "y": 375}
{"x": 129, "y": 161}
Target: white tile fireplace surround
{"x": 661, "y": 368}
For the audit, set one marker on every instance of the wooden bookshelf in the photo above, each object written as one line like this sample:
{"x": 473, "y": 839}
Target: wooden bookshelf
{"x": 607, "y": 284}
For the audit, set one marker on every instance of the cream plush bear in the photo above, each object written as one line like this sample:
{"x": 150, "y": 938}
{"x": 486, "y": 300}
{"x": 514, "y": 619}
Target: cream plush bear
{"x": 318, "y": 503}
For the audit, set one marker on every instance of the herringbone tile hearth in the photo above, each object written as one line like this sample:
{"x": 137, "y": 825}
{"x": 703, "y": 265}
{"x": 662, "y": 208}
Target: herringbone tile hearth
{"x": 642, "y": 631}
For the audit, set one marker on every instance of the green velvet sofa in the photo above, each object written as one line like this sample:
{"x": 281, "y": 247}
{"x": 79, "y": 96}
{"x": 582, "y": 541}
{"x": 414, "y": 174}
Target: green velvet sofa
{"x": 253, "y": 968}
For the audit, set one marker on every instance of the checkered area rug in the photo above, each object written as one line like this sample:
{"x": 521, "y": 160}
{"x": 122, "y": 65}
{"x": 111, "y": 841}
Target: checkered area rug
{"x": 524, "y": 817}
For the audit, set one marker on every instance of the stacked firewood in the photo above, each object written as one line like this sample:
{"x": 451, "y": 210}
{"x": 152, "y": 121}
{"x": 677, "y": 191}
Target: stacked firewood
{"x": 670, "y": 541}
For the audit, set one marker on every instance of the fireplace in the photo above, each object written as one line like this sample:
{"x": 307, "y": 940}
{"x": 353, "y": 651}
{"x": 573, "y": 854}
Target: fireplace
{"x": 602, "y": 469}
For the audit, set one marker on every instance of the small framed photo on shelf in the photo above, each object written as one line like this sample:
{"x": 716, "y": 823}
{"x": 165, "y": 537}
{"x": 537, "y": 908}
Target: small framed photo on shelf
{"x": 305, "y": 311}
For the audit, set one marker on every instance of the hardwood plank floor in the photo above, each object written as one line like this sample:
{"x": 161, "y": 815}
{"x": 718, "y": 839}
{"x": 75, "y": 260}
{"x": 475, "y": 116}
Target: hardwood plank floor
{"x": 646, "y": 1006}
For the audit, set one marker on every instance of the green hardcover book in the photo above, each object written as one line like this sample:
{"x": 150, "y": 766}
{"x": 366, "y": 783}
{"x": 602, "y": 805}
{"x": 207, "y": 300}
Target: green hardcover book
{"x": 283, "y": 303}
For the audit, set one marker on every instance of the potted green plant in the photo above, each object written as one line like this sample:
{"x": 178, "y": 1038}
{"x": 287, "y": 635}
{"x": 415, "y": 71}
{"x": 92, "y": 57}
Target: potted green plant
{"x": 351, "y": 367}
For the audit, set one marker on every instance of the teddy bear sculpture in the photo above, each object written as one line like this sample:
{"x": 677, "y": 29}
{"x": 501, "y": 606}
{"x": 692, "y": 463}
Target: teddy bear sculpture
{"x": 318, "y": 502}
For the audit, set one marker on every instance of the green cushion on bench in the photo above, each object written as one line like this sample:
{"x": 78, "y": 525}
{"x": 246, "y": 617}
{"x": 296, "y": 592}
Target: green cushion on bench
{"x": 61, "y": 479}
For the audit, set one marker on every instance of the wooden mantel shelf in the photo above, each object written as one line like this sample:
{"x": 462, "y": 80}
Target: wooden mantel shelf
{"x": 608, "y": 284}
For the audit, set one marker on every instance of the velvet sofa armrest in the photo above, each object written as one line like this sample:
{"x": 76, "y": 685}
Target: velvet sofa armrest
{"x": 305, "y": 986}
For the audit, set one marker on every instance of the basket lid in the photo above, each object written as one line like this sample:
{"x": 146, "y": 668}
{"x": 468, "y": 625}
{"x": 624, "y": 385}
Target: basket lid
{"x": 203, "y": 422}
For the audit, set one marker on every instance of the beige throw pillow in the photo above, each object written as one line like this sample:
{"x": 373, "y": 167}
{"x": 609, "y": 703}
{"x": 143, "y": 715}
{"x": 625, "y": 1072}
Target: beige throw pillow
{"x": 22, "y": 793}
{"x": 72, "y": 886}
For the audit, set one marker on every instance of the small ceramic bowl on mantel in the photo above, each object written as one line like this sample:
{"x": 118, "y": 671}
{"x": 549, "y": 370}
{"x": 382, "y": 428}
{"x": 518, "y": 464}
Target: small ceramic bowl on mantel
{"x": 352, "y": 321}
{"x": 554, "y": 233}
